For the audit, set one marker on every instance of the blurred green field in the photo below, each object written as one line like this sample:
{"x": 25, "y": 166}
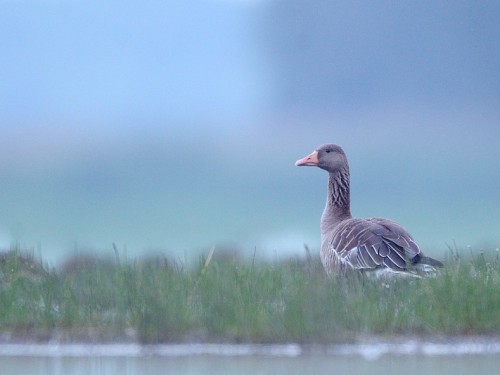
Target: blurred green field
{"x": 221, "y": 298}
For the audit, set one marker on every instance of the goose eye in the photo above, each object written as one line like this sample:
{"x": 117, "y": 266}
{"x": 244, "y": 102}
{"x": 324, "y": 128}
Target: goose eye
{"x": 328, "y": 151}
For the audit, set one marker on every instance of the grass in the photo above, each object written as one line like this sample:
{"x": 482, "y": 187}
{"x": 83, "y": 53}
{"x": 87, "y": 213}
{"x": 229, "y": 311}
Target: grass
{"x": 226, "y": 300}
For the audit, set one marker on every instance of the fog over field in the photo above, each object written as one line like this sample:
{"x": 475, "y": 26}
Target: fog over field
{"x": 173, "y": 126}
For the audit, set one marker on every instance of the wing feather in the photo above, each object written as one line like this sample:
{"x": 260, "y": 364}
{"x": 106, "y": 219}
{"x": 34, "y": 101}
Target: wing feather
{"x": 372, "y": 243}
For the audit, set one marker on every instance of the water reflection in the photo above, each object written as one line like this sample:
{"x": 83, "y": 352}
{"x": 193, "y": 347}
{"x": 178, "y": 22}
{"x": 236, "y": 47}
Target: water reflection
{"x": 311, "y": 361}
{"x": 387, "y": 365}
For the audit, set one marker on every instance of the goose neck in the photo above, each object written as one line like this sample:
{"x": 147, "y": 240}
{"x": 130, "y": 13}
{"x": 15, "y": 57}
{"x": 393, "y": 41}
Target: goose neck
{"x": 338, "y": 202}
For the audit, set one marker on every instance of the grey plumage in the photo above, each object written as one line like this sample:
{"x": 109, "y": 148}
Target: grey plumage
{"x": 349, "y": 243}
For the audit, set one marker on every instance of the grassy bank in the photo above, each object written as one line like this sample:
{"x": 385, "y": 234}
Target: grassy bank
{"x": 226, "y": 300}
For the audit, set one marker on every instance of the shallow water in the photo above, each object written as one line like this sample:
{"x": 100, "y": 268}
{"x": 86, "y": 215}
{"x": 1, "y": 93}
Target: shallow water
{"x": 313, "y": 364}
{"x": 409, "y": 358}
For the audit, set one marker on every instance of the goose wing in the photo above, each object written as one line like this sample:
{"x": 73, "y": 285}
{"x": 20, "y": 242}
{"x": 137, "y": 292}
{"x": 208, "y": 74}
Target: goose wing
{"x": 373, "y": 243}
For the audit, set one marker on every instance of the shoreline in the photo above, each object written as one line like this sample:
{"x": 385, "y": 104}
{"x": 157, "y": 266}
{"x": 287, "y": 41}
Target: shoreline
{"x": 368, "y": 349}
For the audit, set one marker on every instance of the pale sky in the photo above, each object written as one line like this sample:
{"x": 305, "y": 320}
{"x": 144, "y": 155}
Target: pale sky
{"x": 132, "y": 122}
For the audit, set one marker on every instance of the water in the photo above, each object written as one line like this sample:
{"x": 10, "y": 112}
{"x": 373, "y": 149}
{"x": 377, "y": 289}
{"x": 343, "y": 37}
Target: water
{"x": 408, "y": 357}
{"x": 387, "y": 365}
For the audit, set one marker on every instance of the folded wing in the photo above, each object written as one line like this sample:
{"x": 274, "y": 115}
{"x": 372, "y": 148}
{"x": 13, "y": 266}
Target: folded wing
{"x": 373, "y": 243}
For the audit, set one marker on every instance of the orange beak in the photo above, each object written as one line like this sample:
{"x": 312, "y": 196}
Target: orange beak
{"x": 310, "y": 160}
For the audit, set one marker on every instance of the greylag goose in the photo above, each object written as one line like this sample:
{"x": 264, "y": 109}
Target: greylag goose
{"x": 349, "y": 243}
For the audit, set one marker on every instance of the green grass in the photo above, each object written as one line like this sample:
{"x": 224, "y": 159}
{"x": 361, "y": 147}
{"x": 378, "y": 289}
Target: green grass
{"x": 226, "y": 300}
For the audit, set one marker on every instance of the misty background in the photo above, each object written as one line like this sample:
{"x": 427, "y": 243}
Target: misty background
{"x": 174, "y": 125}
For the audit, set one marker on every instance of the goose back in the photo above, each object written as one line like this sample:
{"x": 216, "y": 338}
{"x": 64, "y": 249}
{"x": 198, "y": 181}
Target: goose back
{"x": 368, "y": 244}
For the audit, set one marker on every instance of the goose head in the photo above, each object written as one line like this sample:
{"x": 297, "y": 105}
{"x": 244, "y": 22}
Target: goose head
{"x": 329, "y": 157}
